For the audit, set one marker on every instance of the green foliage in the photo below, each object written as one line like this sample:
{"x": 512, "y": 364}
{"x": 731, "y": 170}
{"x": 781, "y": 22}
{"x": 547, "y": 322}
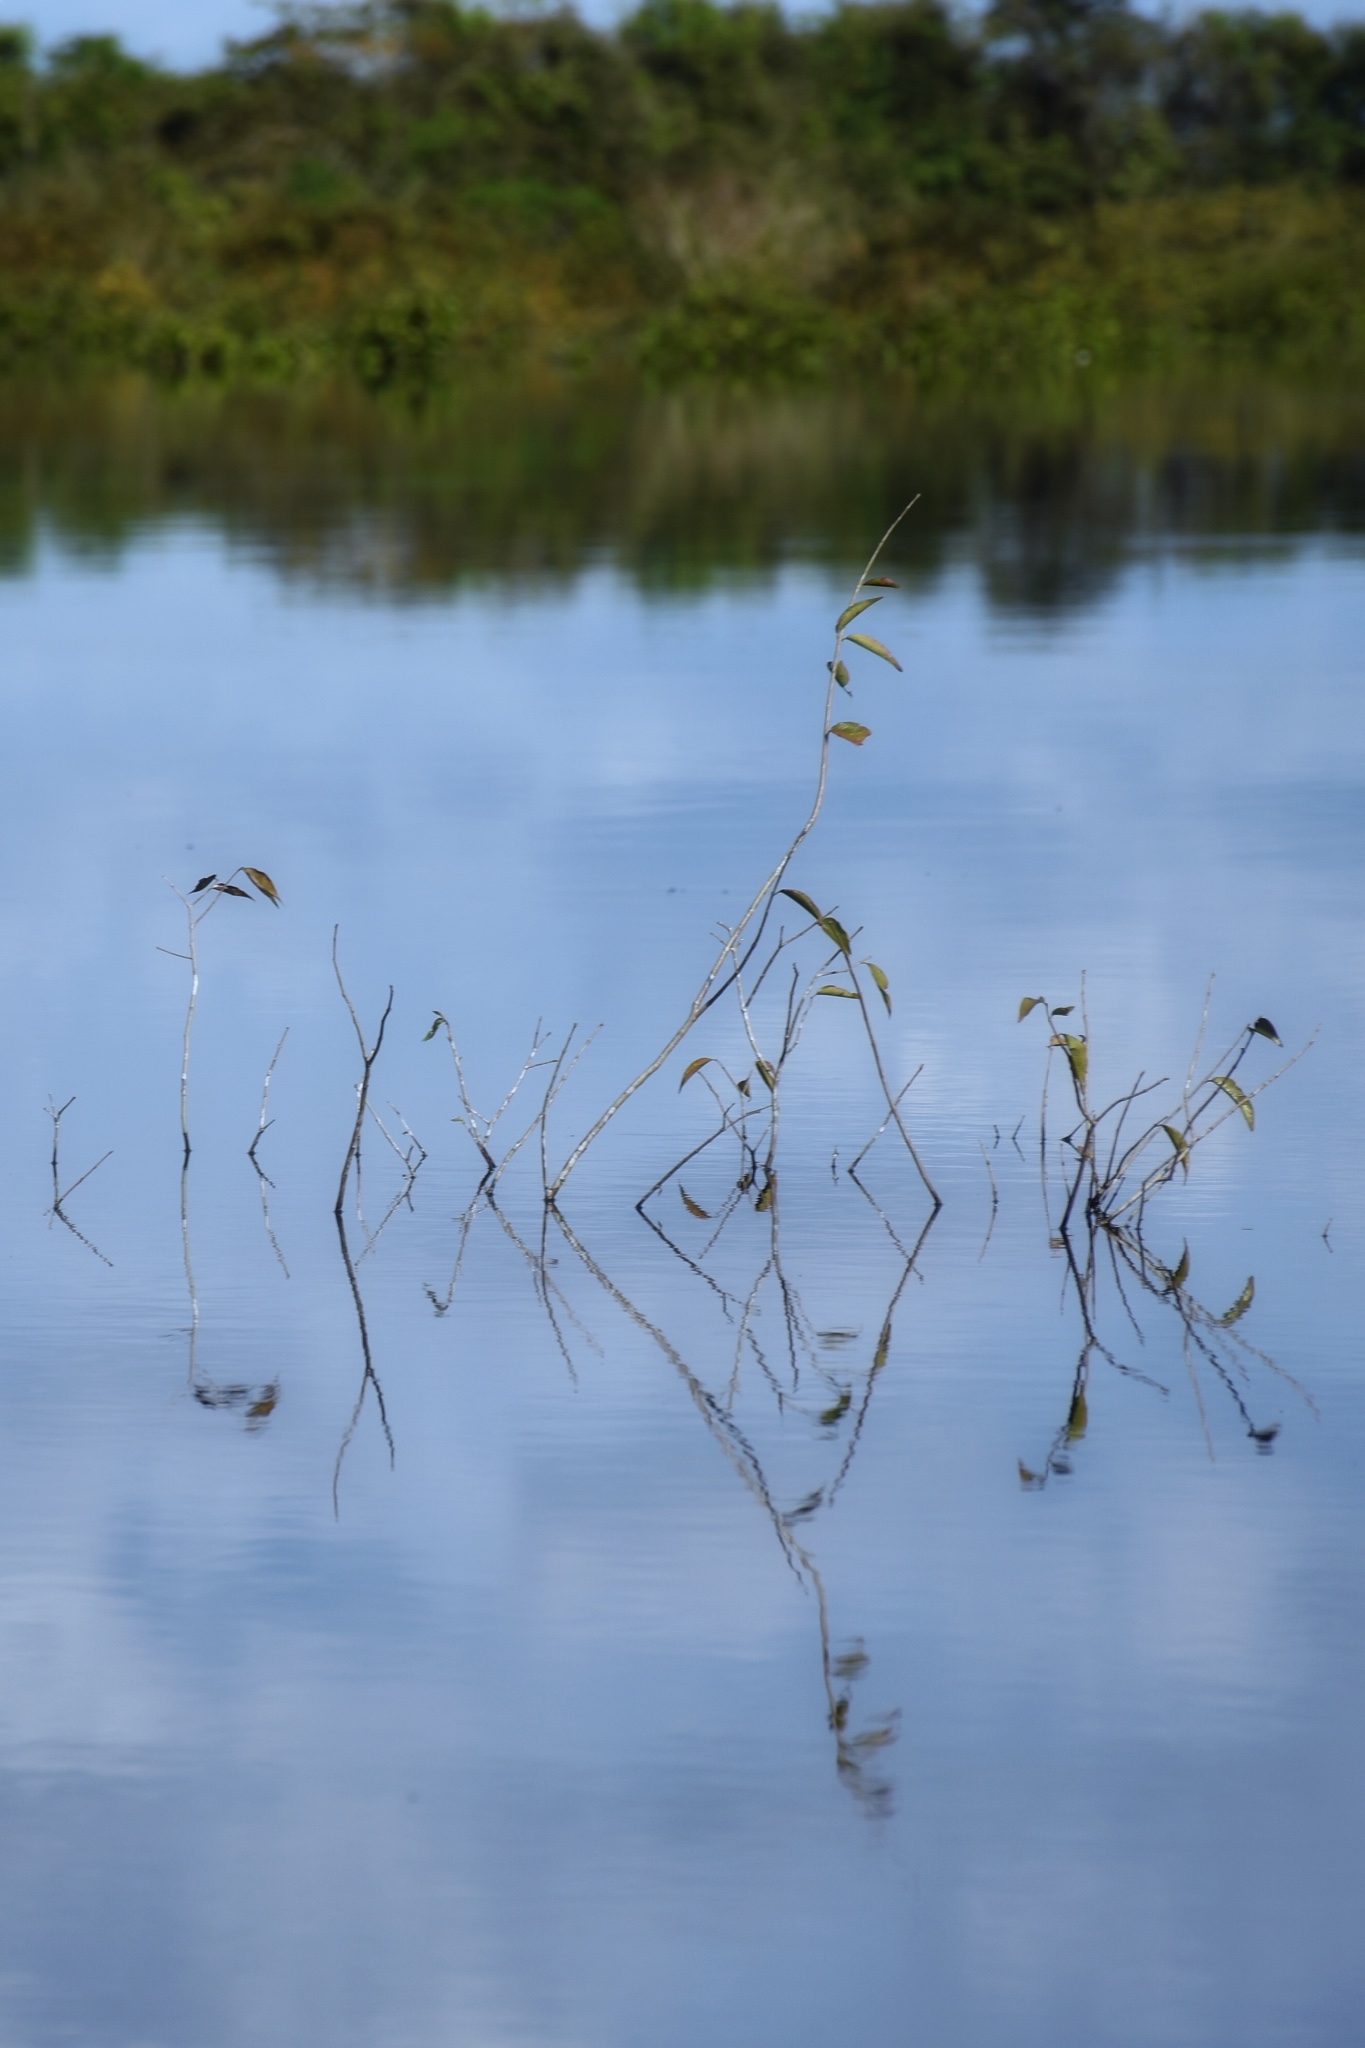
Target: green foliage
{"x": 401, "y": 186}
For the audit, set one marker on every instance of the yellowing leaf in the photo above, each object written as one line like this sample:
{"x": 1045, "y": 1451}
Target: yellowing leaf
{"x": 879, "y": 583}
{"x": 765, "y": 1200}
{"x": 875, "y": 647}
{"x": 261, "y": 880}
{"x": 851, "y": 611}
{"x": 1076, "y": 1054}
{"x": 694, "y": 1067}
{"x": 767, "y": 1073}
{"x": 1077, "y": 1420}
{"x": 693, "y": 1208}
{"x": 882, "y": 983}
{"x": 848, "y": 729}
{"x": 1029, "y": 1003}
{"x": 831, "y": 989}
{"x": 1178, "y": 1139}
{"x": 832, "y": 929}
{"x": 1239, "y": 1096}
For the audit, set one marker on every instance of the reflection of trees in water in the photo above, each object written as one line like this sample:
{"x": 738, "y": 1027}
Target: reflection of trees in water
{"x": 1050, "y": 493}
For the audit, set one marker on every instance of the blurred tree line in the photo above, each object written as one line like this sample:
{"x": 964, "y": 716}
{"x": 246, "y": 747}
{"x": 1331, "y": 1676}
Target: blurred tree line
{"x": 410, "y": 180}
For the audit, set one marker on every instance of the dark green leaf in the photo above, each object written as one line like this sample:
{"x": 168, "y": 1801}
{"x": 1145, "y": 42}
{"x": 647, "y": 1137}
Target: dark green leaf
{"x": 1242, "y": 1303}
{"x": 1182, "y": 1271}
{"x": 838, "y": 1411}
{"x": 875, "y": 647}
{"x": 879, "y": 583}
{"x": 839, "y": 673}
{"x": 834, "y": 931}
{"x": 1062, "y": 1010}
{"x": 1267, "y": 1030}
{"x": 800, "y": 896}
{"x": 231, "y": 889}
{"x": 437, "y": 1021}
{"x": 202, "y": 883}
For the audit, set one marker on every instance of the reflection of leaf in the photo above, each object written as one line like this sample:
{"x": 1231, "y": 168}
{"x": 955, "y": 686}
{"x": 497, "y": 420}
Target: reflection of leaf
{"x": 1077, "y": 1419}
{"x": 1239, "y": 1096}
{"x": 807, "y": 1507}
{"x": 765, "y": 1200}
{"x": 800, "y": 896}
{"x": 852, "y": 1664}
{"x": 849, "y": 729}
{"x": 261, "y": 880}
{"x": 837, "y": 1412}
{"x": 258, "y": 1410}
{"x": 692, "y": 1208}
{"x": 875, "y": 1738}
{"x": 1182, "y": 1271}
{"x": 1242, "y": 1303}
{"x": 851, "y": 611}
{"x": 875, "y": 647}
{"x": 832, "y": 929}
{"x": 831, "y": 989}
{"x": 882, "y": 983}
{"x": 1027, "y": 1478}
{"x": 879, "y": 1356}
{"x": 694, "y": 1067}
{"x": 1267, "y": 1030}
{"x": 1029, "y": 1003}
{"x": 437, "y": 1021}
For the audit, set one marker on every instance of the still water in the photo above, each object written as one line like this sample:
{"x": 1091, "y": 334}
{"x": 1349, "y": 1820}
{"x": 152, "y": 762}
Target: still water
{"x": 760, "y": 1627}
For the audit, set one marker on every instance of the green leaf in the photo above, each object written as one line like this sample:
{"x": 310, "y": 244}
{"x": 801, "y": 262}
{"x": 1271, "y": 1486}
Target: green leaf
{"x": 1030, "y": 1003}
{"x": 1062, "y": 1010}
{"x": 879, "y": 583}
{"x": 694, "y": 1067}
{"x": 834, "y": 931}
{"x": 830, "y": 989}
{"x": 693, "y": 1208}
{"x": 1076, "y": 1054}
{"x": 882, "y": 983}
{"x": 840, "y": 1408}
{"x": 259, "y": 879}
{"x": 1239, "y": 1096}
{"x": 437, "y": 1021}
{"x": 848, "y": 729}
{"x": 851, "y": 611}
{"x": 1077, "y": 1420}
{"x": 767, "y": 1073}
{"x": 1182, "y": 1271}
{"x": 839, "y": 673}
{"x": 1178, "y": 1139}
{"x": 1242, "y": 1303}
{"x": 800, "y": 896}
{"x": 1267, "y": 1030}
{"x": 875, "y": 647}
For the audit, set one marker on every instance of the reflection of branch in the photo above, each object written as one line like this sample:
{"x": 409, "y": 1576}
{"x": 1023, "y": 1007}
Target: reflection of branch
{"x": 368, "y": 1377}
{"x": 263, "y": 1126}
{"x": 368, "y": 1056}
{"x": 59, "y": 1194}
{"x": 259, "y": 1401}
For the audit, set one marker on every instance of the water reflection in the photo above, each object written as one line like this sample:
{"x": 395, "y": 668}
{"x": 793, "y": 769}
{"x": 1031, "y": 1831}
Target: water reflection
{"x": 1050, "y": 497}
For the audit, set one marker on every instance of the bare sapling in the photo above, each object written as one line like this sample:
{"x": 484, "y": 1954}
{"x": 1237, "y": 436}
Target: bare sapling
{"x": 61, "y": 1194}
{"x": 1112, "y": 1168}
{"x": 199, "y": 903}
{"x": 742, "y": 943}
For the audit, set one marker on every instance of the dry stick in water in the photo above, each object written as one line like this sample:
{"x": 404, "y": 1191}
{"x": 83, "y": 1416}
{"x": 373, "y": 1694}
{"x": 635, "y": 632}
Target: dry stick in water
{"x": 368, "y": 1056}
{"x": 759, "y": 908}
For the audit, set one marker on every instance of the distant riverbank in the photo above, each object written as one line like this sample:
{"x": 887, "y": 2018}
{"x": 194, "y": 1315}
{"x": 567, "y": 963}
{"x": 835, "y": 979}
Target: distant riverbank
{"x": 402, "y": 193}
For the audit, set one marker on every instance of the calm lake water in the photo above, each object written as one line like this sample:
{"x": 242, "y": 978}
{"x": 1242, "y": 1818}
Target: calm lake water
{"x": 772, "y": 1626}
